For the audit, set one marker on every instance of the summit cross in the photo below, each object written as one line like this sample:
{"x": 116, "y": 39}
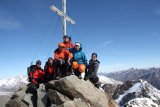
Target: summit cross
{"x": 64, "y": 16}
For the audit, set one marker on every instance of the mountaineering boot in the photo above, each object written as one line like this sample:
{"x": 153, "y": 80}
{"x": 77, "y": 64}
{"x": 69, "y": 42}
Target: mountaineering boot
{"x": 80, "y": 77}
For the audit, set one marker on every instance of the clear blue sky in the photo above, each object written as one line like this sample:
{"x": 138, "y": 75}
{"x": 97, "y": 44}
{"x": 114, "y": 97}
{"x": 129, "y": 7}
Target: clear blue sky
{"x": 124, "y": 33}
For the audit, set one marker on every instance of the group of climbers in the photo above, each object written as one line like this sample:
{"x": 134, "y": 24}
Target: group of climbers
{"x": 68, "y": 59}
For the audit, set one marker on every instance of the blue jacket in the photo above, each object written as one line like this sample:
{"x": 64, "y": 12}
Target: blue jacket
{"x": 79, "y": 56}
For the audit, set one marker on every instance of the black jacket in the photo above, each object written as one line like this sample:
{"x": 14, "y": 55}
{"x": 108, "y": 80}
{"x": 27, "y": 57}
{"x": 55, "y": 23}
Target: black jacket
{"x": 93, "y": 68}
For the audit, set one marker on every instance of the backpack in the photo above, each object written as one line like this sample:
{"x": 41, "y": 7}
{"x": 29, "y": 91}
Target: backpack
{"x": 30, "y": 69}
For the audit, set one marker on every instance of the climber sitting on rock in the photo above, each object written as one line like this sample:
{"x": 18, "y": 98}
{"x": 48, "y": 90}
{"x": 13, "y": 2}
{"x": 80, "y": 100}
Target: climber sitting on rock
{"x": 49, "y": 70}
{"x": 79, "y": 60}
{"x": 62, "y": 60}
{"x": 93, "y": 66}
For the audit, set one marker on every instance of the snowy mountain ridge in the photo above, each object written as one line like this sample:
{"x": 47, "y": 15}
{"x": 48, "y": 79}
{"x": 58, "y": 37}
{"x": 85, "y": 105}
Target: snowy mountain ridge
{"x": 140, "y": 94}
{"x": 13, "y": 84}
{"x": 151, "y": 75}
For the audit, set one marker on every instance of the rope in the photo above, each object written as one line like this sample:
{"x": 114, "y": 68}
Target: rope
{"x": 41, "y": 42}
{"x": 55, "y": 31}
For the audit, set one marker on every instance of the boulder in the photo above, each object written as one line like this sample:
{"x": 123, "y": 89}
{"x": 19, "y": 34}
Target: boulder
{"x": 15, "y": 103}
{"x": 75, "y": 103}
{"x": 58, "y": 97}
{"x": 72, "y": 87}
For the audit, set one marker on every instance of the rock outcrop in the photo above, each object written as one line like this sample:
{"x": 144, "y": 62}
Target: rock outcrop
{"x": 66, "y": 92}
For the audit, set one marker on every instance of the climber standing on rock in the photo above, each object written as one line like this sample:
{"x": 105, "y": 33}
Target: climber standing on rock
{"x": 91, "y": 73}
{"x": 36, "y": 74}
{"x": 79, "y": 62}
{"x": 36, "y": 77}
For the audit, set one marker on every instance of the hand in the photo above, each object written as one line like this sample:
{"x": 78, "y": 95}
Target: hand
{"x": 59, "y": 59}
{"x": 86, "y": 65}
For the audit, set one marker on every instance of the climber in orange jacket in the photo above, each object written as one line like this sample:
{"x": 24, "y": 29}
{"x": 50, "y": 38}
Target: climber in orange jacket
{"x": 67, "y": 42}
{"x": 36, "y": 75}
{"x": 62, "y": 60}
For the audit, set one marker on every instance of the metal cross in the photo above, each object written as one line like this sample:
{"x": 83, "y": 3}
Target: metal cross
{"x": 64, "y": 15}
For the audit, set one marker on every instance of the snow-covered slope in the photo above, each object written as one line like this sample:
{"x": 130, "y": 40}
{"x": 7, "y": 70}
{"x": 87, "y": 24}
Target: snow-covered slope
{"x": 138, "y": 94}
{"x": 5, "y": 93}
{"x": 12, "y": 84}
{"x": 106, "y": 80}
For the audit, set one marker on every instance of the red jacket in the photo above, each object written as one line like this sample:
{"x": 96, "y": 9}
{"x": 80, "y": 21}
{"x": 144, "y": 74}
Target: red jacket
{"x": 36, "y": 74}
{"x": 48, "y": 69}
{"x": 68, "y": 45}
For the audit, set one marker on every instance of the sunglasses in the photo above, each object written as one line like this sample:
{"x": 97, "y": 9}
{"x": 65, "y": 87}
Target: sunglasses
{"x": 77, "y": 46}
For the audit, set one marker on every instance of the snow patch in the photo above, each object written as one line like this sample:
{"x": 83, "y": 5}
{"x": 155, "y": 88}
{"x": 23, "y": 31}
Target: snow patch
{"x": 106, "y": 80}
{"x": 5, "y": 93}
{"x": 142, "y": 102}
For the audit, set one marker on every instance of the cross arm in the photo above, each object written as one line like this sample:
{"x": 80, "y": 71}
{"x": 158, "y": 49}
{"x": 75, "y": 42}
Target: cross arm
{"x": 53, "y": 8}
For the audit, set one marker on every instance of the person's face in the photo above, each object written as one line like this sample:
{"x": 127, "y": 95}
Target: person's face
{"x": 38, "y": 65}
{"x": 66, "y": 39}
{"x": 50, "y": 61}
{"x": 77, "y": 47}
{"x": 94, "y": 57}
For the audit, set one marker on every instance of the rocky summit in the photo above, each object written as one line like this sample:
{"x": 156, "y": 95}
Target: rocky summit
{"x": 66, "y": 92}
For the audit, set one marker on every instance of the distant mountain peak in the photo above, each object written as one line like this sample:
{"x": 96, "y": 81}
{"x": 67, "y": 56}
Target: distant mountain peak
{"x": 151, "y": 75}
{"x": 130, "y": 91}
{"x": 13, "y": 84}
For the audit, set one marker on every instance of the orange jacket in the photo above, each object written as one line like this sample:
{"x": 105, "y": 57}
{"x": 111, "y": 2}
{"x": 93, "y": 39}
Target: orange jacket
{"x": 65, "y": 54}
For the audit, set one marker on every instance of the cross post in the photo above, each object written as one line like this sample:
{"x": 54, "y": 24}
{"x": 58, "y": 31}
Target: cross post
{"x": 64, "y": 16}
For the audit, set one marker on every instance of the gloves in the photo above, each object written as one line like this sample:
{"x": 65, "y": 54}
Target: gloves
{"x": 61, "y": 61}
{"x": 69, "y": 61}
